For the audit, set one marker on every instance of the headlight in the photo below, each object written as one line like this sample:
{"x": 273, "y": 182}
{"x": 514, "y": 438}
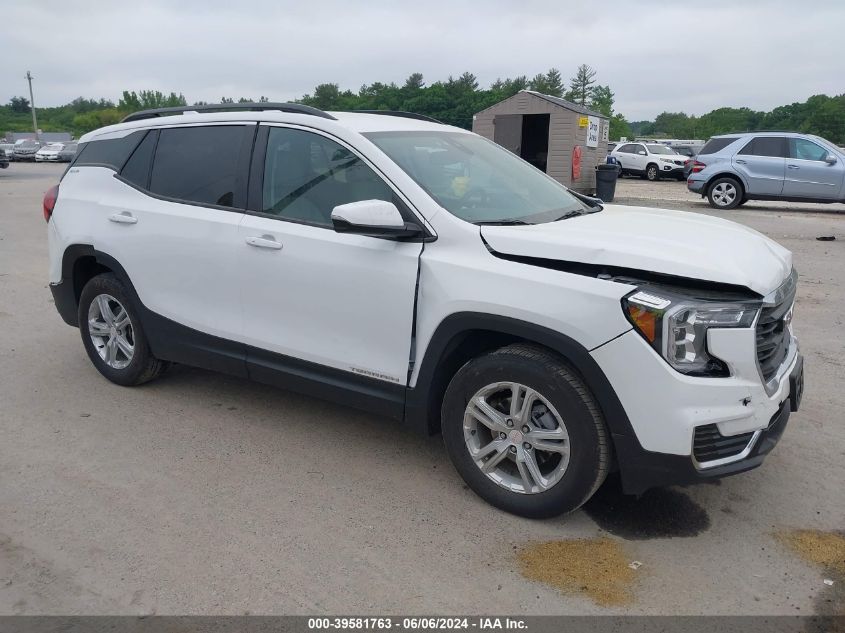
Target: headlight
{"x": 677, "y": 328}
{"x": 666, "y": 160}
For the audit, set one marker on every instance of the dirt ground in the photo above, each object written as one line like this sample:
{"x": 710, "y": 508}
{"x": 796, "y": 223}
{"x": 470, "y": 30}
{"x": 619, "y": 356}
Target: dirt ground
{"x": 204, "y": 494}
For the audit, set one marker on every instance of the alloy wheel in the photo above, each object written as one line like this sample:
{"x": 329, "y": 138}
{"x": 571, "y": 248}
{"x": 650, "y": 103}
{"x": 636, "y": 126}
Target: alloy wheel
{"x": 724, "y": 194}
{"x": 516, "y": 437}
{"x": 111, "y": 331}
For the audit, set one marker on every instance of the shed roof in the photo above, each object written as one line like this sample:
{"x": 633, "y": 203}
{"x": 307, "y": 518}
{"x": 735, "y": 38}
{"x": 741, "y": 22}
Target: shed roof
{"x": 563, "y": 103}
{"x": 569, "y": 105}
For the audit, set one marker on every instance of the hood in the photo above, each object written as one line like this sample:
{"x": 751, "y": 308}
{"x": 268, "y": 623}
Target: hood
{"x": 655, "y": 240}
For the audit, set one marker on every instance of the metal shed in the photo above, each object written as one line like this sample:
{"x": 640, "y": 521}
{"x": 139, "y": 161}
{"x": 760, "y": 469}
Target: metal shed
{"x": 546, "y": 131}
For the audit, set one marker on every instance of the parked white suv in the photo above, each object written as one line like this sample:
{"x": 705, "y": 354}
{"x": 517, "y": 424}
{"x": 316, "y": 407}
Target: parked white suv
{"x": 652, "y": 161}
{"x": 423, "y": 273}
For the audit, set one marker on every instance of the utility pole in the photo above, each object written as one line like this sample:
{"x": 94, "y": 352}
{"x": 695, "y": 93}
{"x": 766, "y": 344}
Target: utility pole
{"x": 32, "y": 105}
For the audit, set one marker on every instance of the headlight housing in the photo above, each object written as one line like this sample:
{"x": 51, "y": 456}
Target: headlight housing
{"x": 676, "y": 327}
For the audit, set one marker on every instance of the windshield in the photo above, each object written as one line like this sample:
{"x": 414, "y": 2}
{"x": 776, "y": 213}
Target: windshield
{"x": 477, "y": 180}
{"x": 661, "y": 149}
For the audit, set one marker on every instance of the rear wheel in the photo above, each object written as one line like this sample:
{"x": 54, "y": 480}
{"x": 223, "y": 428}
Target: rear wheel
{"x": 725, "y": 193}
{"x": 112, "y": 333}
{"x": 524, "y": 432}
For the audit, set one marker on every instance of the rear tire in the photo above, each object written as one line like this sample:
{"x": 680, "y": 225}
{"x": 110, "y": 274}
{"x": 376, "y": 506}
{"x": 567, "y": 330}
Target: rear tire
{"x": 549, "y": 464}
{"x": 725, "y": 193}
{"x": 113, "y": 335}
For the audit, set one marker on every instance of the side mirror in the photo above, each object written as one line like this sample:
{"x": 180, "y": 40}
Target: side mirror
{"x": 375, "y": 218}
{"x": 642, "y": 153}
{"x": 830, "y": 159}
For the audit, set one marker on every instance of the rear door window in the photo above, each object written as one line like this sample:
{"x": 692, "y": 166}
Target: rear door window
{"x": 771, "y": 146}
{"x": 204, "y": 165}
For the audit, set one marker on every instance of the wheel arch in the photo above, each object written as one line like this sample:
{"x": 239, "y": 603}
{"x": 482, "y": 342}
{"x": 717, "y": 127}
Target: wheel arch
{"x": 463, "y": 336}
{"x": 726, "y": 174}
{"x": 81, "y": 263}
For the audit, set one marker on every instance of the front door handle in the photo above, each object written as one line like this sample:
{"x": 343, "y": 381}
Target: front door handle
{"x": 264, "y": 241}
{"x": 123, "y": 218}
{"x": 793, "y": 167}
{"x": 740, "y": 161}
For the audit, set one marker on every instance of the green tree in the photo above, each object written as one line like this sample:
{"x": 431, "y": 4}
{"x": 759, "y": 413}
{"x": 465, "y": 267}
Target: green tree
{"x": 619, "y": 127}
{"x": 581, "y": 85}
{"x": 550, "y": 83}
{"x": 19, "y": 105}
{"x": 601, "y": 100}
{"x": 414, "y": 82}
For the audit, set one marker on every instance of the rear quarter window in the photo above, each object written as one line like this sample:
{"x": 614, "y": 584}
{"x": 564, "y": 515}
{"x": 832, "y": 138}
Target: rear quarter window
{"x": 112, "y": 153}
{"x": 716, "y": 145}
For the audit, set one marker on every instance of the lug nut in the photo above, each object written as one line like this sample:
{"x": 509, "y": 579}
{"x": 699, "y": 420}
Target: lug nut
{"x": 525, "y": 429}
{"x": 526, "y": 446}
{"x": 513, "y": 449}
{"x": 509, "y": 422}
{"x": 502, "y": 436}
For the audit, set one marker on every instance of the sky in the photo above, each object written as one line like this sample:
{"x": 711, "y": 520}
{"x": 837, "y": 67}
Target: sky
{"x": 656, "y": 55}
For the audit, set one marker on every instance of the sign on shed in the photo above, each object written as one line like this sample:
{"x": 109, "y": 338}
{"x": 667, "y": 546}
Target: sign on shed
{"x": 593, "y": 131}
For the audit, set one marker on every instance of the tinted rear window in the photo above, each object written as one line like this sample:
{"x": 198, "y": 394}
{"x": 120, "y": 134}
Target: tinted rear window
{"x": 716, "y": 145}
{"x": 111, "y": 153}
{"x": 200, "y": 164}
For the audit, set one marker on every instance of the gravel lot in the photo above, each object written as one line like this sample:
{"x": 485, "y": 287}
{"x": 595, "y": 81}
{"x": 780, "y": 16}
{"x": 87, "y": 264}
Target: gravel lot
{"x": 201, "y": 493}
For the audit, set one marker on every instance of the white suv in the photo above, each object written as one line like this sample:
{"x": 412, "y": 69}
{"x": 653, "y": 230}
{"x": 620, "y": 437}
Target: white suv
{"x": 652, "y": 161}
{"x": 423, "y": 273}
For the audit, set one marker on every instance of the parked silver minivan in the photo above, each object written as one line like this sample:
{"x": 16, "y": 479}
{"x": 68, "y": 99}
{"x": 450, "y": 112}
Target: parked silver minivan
{"x": 734, "y": 168}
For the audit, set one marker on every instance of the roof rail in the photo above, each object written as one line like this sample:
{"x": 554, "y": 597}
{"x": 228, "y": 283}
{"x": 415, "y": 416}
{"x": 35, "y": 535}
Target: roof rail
{"x": 400, "y": 113}
{"x": 294, "y": 108}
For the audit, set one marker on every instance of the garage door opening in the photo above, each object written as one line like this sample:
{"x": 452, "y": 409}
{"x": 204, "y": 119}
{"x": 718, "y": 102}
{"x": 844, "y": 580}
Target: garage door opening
{"x": 535, "y": 140}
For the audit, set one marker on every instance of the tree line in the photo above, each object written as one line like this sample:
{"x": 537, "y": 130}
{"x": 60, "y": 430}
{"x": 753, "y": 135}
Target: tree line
{"x": 455, "y": 100}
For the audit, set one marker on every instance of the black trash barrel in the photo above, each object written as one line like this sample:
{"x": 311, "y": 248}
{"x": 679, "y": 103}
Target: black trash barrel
{"x": 606, "y": 181}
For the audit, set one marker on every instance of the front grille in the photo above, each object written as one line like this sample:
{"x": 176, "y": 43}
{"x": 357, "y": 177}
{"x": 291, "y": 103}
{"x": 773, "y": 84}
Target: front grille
{"x": 679, "y": 162}
{"x": 773, "y": 336}
{"x": 708, "y": 444}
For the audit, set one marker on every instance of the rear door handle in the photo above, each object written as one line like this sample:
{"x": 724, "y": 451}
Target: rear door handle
{"x": 123, "y": 218}
{"x": 264, "y": 241}
{"x": 793, "y": 167}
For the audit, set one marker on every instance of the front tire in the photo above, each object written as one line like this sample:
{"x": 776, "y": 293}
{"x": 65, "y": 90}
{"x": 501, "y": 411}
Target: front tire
{"x": 652, "y": 173}
{"x": 524, "y": 432}
{"x": 113, "y": 335}
{"x": 725, "y": 193}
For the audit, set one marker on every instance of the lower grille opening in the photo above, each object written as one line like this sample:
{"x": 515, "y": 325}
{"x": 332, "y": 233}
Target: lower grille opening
{"x": 709, "y": 444}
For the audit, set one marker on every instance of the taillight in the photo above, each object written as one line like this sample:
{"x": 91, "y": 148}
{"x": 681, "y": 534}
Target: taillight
{"x": 697, "y": 167}
{"x": 50, "y": 201}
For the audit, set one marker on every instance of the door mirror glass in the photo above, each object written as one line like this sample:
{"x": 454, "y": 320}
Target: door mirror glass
{"x": 376, "y": 218}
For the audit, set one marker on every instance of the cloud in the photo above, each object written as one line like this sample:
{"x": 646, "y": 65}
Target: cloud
{"x": 655, "y": 56}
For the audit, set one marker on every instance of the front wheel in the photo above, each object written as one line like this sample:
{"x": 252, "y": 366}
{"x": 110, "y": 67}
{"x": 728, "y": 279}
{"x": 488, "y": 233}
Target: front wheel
{"x": 652, "y": 173}
{"x": 525, "y": 432}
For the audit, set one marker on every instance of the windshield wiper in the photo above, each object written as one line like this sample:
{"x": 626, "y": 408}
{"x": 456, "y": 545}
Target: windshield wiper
{"x": 505, "y": 222}
{"x": 571, "y": 214}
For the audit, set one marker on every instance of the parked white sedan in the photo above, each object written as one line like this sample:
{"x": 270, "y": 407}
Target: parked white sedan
{"x": 49, "y": 153}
